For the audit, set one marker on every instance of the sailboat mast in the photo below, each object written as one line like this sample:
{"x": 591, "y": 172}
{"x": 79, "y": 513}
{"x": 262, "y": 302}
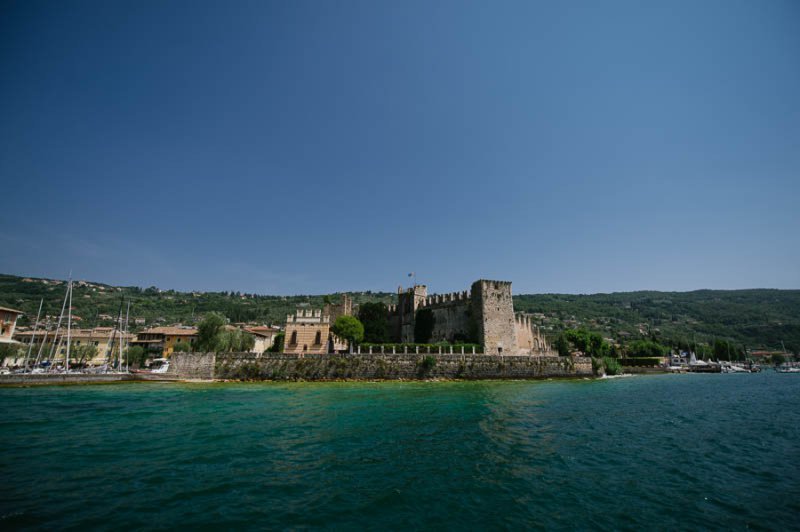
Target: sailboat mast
{"x": 44, "y": 341}
{"x": 33, "y": 337}
{"x": 54, "y": 348}
{"x": 119, "y": 324}
{"x": 69, "y": 325}
{"x": 127, "y": 314}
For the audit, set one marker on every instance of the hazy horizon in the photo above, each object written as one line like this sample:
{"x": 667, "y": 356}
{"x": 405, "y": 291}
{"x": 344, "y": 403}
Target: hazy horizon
{"x": 312, "y": 147}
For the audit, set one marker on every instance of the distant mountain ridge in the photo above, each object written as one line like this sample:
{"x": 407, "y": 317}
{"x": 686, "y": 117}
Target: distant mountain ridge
{"x": 756, "y": 318}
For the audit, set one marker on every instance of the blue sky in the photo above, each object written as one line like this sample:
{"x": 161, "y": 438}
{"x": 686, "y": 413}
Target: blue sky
{"x": 310, "y": 147}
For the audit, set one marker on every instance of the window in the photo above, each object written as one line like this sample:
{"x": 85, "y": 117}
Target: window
{"x": 318, "y": 338}
{"x": 293, "y": 341}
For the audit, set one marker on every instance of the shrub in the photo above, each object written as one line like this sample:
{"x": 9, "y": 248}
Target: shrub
{"x": 612, "y": 365}
{"x": 182, "y": 347}
{"x": 349, "y": 328}
{"x": 427, "y": 363}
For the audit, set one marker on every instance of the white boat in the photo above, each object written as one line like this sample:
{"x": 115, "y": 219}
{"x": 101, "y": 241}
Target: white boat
{"x": 163, "y": 369}
{"x": 733, "y": 368}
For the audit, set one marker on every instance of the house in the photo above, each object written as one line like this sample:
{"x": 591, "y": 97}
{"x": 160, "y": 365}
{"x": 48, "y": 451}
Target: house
{"x": 8, "y": 322}
{"x": 264, "y": 336}
{"x": 163, "y": 339}
{"x": 102, "y": 338}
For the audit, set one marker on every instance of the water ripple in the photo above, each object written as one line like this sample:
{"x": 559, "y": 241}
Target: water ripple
{"x": 664, "y": 452}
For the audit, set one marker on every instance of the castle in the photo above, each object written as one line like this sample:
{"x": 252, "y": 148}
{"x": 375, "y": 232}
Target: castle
{"x": 484, "y": 316}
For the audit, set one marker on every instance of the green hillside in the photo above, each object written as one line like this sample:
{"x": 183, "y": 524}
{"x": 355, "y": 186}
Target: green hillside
{"x": 90, "y": 300}
{"x": 759, "y": 318}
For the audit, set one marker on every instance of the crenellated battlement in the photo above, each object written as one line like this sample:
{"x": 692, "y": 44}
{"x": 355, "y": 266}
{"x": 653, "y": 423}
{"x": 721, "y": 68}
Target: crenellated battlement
{"x": 444, "y": 299}
{"x": 308, "y": 316}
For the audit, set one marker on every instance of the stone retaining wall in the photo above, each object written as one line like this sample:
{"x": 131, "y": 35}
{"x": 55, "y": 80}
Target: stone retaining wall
{"x": 191, "y": 366}
{"x": 64, "y": 378}
{"x": 279, "y": 366}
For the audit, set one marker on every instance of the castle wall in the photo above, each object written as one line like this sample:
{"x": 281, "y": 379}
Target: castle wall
{"x": 485, "y": 315}
{"x": 529, "y": 338}
{"x": 451, "y": 322}
{"x": 402, "y": 316}
{"x": 495, "y": 313}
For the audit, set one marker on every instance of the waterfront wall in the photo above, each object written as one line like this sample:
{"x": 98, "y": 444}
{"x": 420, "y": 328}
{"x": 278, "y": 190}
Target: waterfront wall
{"x": 280, "y": 366}
{"x": 198, "y": 366}
{"x": 64, "y": 378}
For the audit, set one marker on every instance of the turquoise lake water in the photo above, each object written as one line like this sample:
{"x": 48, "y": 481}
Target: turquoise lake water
{"x": 657, "y": 452}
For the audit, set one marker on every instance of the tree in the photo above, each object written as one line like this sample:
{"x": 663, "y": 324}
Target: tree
{"x": 349, "y": 328}
{"x": 423, "y": 325}
{"x": 137, "y": 356}
{"x": 374, "y": 316}
{"x": 9, "y": 351}
{"x": 725, "y": 350}
{"x": 236, "y": 340}
{"x": 85, "y": 353}
{"x": 562, "y": 345}
{"x": 579, "y": 339}
{"x": 597, "y": 346}
{"x": 646, "y": 348}
{"x": 277, "y": 344}
{"x": 210, "y": 333}
{"x": 182, "y": 347}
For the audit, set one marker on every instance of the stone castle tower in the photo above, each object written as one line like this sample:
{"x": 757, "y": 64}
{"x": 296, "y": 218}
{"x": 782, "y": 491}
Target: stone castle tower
{"x": 485, "y": 316}
{"x": 495, "y": 316}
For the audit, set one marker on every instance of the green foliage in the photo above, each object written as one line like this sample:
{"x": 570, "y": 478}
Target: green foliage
{"x": 643, "y": 362}
{"x": 646, "y": 348}
{"x": 760, "y": 318}
{"x": 137, "y": 356}
{"x": 702, "y": 351}
{"x": 756, "y": 318}
{"x": 162, "y": 307}
{"x": 423, "y": 325}
{"x": 210, "y": 334}
{"x": 612, "y": 365}
{"x": 349, "y": 328}
{"x": 589, "y": 343}
{"x": 8, "y": 351}
{"x": 427, "y": 363}
{"x": 277, "y": 344}
{"x": 562, "y": 345}
{"x": 374, "y": 316}
{"x": 237, "y": 341}
{"x": 423, "y": 348}
{"x": 84, "y": 353}
{"x": 725, "y": 350}
{"x": 606, "y": 365}
{"x": 182, "y": 347}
